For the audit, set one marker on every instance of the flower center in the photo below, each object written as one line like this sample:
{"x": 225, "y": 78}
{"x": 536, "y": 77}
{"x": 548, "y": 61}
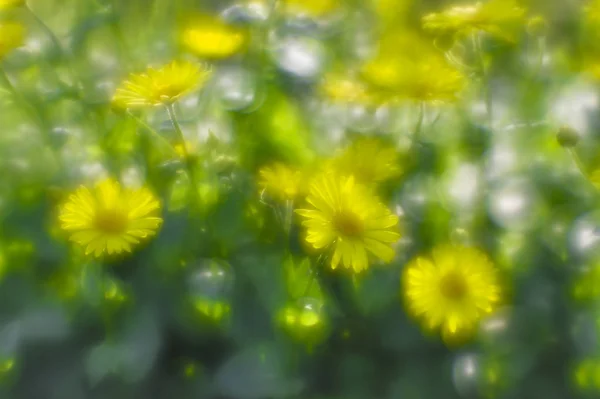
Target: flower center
{"x": 111, "y": 221}
{"x": 453, "y": 286}
{"x": 348, "y": 224}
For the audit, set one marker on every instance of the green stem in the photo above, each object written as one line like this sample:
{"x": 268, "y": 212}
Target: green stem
{"x": 487, "y": 93}
{"x": 419, "y": 125}
{"x": 153, "y": 132}
{"x": 289, "y": 214}
{"x": 186, "y": 155}
{"x": 31, "y": 110}
{"x": 48, "y": 31}
{"x": 579, "y": 164}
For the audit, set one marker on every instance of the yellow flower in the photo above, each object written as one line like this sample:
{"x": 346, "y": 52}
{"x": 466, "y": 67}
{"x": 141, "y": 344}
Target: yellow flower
{"x": 345, "y": 89}
{"x": 210, "y": 37}
{"x": 496, "y": 17}
{"x": 160, "y": 86}
{"x": 369, "y": 160}
{"x": 349, "y": 221}
{"x": 592, "y": 12}
{"x": 109, "y": 218}
{"x": 281, "y": 182}
{"x": 451, "y": 290}
{"x": 6, "y": 4}
{"x": 12, "y": 36}
{"x": 313, "y": 8}
{"x": 427, "y": 77}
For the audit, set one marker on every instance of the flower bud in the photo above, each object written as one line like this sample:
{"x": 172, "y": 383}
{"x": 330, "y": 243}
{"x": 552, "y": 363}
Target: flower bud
{"x": 567, "y": 137}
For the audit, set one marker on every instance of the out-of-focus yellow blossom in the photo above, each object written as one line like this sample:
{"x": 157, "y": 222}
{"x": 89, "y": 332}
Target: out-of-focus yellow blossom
{"x": 109, "y": 218}
{"x": 592, "y": 12}
{"x": 451, "y": 290}
{"x": 188, "y": 149}
{"x": 586, "y": 374}
{"x": 312, "y": 8}
{"x": 391, "y": 10}
{"x": 6, "y": 4}
{"x": 500, "y": 18}
{"x": 160, "y": 86}
{"x": 369, "y": 160}
{"x": 428, "y": 77}
{"x": 12, "y": 36}
{"x": 347, "y": 220}
{"x": 338, "y": 88}
{"x": 281, "y": 181}
{"x": 210, "y": 37}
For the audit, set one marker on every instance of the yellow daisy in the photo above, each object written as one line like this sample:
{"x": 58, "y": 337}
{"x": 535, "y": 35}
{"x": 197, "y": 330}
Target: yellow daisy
{"x": 160, "y": 86}
{"x": 347, "y": 220}
{"x": 109, "y": 218}
{"x": 281, "y": 181}
{"x": 499, "y": 18}
{"x": 451, "y": 290}
{"x": 209, "y": 37}
{"x": 12, "y": 36}
{"x": 369, "y": 160}
{"x": 427, "y": 77}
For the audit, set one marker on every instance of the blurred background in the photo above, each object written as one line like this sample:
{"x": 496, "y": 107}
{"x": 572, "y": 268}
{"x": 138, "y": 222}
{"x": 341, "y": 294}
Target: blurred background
{"x": 221, "y": 303}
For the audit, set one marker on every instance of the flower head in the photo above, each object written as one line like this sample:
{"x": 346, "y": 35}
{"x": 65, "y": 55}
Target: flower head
{"x": 210, "y": 37}
{"x": 6, "y": 4}
{"x": 109, "y": 218}
{"x": 343, "y": 89}
{"x": 451, "y": 290}
{"x": 349, "y": 221}
{"x": 281, "y": 181}
{"x": 12, "y": 36}
{"x": 496, "y": 17}
{"x": 592, "y": 12}
{"x": 160, "y": 86}
{"x": 425, "y": 77}
{"x": 369, "y": 160}
{"x": 312, "y": 8}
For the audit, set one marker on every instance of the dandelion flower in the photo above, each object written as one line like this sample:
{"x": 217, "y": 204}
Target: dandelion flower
{"x": 348, "y": 221}
{"x": 499, "y": 18}
{"x": 369, "y": 160}
{"x": 451, "y": 290}
{"x": 6, "y": 4}
{"x": 109, "y": 218}
{"x": 281, "y": 182}
{"x": 424, "y": 78}
{"x": 12, "y": 36}
{"x": 210, "y": 37}
{"x": 160, "y": 86}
